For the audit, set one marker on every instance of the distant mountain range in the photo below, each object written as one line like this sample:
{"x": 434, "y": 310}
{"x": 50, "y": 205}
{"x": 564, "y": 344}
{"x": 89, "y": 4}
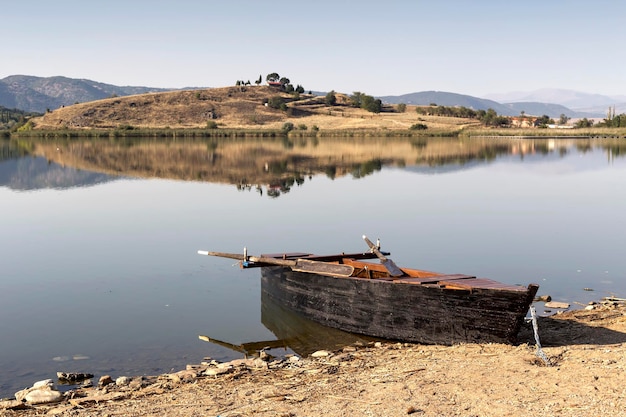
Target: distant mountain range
{"x": 39, "y": 94}
{"x": 549, "y": 102}
{"x": 568, "y": 98}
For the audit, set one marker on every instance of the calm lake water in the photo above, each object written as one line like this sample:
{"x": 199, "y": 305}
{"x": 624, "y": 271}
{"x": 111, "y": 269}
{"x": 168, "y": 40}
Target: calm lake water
{"x": 99, "y": 238}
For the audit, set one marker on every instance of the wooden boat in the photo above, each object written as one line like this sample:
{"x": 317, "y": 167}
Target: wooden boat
{"x": 347, "y": 292}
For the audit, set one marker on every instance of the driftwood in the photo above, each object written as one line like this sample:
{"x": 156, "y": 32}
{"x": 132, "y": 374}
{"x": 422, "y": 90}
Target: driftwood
{"x": 113, "y": 396}
{"x": 556, "y": 304}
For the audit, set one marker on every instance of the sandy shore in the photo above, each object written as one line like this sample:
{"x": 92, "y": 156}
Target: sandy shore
{"x": 586, "y": 350}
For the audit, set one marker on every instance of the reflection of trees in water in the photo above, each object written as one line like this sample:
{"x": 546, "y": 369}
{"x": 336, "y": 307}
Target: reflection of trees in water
{"x": 583, "y": 147}
{"x": 11, "y": 150}
{"x": 282, "y": 186}
{"x": 616, "y": 148}
{"x": 273, "y": 166}
{"x": 489, "y": 152}
{"x": 419, "y": 143}
{"x": 287, "y": 144}
{"x": 367, "y": 168}
{"x": 542, "y": 148}
{"x": 485, "y": 154}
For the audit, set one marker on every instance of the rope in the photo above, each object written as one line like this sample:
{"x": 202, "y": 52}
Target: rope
{"x": 540, "y": 353}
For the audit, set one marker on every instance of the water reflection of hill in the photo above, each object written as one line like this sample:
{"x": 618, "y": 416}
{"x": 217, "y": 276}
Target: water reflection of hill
{"x": 32, "y": 173}
{"x": 276, "y": 164}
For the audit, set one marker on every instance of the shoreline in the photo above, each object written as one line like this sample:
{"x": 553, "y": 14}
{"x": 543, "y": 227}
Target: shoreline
{"x": 172, "y": 133}
{"x": 586, "y": 349}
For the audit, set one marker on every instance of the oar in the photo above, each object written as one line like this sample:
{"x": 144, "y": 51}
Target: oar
{"x": 298, "y": 265}
{"x": 390, "y": 265}
{"x": 244, "y": 258}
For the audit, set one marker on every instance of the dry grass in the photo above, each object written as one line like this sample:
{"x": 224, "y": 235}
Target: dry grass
{"x": 592, "y": 132}
{"x": 236, "y": 108}
{"x": 244, "y": 109}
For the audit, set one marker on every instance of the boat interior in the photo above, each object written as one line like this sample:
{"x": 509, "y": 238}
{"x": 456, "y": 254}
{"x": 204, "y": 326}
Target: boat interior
{"x": 373, "y": 270}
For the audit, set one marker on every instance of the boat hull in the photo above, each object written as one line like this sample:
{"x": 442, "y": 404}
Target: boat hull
{"x": 422, "y": 313}
{"x": 304, "y": 336}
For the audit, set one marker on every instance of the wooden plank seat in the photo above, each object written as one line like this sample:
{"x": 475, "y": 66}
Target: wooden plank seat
{"x": 481, "y": 283}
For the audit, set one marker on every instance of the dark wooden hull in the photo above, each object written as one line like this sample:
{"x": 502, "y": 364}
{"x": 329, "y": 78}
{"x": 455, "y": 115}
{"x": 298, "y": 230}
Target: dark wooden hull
{"x": 425, "y": 313}
{"x": 301, "y": 335}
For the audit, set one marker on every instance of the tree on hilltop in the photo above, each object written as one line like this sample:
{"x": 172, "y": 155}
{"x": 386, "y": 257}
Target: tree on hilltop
{"x": 366, "y": 102}
{"x": 284, "y": 83}
{"x": 356, "y": 99}
{"x": 331, "y": 98}
{"x": 371, "y": 104}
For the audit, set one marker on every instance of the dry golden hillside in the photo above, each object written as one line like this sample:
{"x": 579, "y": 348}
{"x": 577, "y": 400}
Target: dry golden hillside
{"x": 234, "y": 108}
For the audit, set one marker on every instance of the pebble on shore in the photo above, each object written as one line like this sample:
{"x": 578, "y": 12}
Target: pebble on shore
{"x": 42, "y": 392}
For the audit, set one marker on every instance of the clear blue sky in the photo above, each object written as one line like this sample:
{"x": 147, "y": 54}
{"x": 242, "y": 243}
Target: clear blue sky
{"x": 376, "y": 47}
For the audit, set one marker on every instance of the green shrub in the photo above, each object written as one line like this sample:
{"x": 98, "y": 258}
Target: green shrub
{"x": 276, "y": 102}
{"x": 26, "y": 127}
{"x": 288, "y": 127}
{"x": 419, "y": 126}
{"x": 331, "y": 98}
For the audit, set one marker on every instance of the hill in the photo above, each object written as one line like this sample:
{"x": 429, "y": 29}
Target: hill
{"x": 38, "y": 94}
{"x": 235, "y": 108}
{"x": 442, "y": 98}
